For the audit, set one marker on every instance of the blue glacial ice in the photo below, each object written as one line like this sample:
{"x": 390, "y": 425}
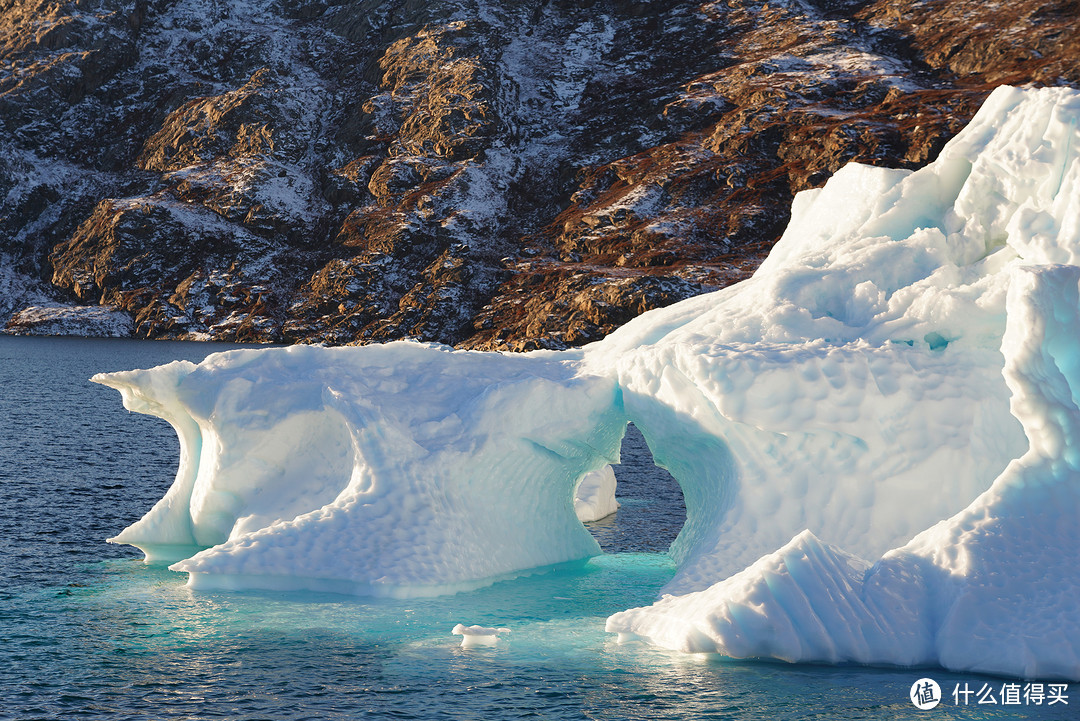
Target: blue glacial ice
{"x": 892, "y": 401}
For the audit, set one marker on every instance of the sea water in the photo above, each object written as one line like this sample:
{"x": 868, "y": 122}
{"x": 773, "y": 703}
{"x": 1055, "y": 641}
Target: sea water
{"x": 89, "y": 631}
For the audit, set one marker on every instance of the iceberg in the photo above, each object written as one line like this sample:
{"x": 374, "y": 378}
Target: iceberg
{"x": 992, "y": 589}
{"x": 874, "y": 435}
{"x": 401, "y": 469}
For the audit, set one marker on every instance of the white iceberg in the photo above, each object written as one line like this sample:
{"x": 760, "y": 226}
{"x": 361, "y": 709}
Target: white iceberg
{"x": 993, "y": 589}
{"x": 851, "y": 395}
{"x": 400, "y": 469}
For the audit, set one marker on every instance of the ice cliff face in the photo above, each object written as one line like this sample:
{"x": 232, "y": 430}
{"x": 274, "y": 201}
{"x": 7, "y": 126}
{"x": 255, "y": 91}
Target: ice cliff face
{"x": 907, "y": 354}
{"x": 496, "y": 175}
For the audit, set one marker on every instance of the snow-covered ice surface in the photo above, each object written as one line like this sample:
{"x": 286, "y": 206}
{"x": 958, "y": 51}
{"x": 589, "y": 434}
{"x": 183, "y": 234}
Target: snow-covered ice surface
{"x": 972, "y": 262}
{"x": 913, "y": 337}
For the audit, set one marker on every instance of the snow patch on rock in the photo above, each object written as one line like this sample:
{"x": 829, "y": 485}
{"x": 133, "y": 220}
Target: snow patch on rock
{"x": 81, "y": 320}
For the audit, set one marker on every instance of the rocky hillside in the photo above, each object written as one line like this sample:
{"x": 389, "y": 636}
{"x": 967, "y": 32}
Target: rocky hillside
{"x": 512, "y": 175}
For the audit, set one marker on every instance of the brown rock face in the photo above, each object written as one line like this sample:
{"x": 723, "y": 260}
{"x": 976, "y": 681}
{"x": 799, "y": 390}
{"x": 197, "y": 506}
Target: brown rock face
{"x": 1017, "y": 42}
{"x": 172, "y": 267}
{"x": 500, "y": 175}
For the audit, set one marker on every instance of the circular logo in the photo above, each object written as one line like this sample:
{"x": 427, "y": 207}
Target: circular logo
{"x": 925, "y": 693}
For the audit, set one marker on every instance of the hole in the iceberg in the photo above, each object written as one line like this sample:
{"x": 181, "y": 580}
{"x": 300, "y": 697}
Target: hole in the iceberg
{"x": 936, "y": 341}
{"x": 651, "y": 508}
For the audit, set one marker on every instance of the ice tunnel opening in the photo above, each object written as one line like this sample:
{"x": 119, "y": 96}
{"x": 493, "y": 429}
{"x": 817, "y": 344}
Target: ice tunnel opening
{"x": 652, "y": 509}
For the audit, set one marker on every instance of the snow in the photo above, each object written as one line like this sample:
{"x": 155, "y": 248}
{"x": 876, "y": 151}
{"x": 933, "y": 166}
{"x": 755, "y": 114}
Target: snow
{"x": 54, "y": 319}
{"x": 890, "y": 401}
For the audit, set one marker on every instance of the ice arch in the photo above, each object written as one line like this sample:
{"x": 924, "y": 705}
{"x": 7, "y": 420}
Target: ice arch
{"x": 849, "y": 395}
{"x": 866, "y": 445}
{"x": 400, "y": 469}
{"x": 332, "y": 469}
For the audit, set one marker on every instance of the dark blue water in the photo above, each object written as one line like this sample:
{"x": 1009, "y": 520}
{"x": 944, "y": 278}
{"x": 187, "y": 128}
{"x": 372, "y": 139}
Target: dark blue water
{"x": 88, "y": 631}
{"x": 651, "y": 510}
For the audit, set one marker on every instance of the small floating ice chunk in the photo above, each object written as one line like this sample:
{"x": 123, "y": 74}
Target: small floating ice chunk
{"x": 478, "y": 635}
{"x": 595, "y": 495}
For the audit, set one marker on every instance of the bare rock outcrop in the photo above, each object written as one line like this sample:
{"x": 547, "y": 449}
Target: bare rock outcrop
{"x": 498, "y": 175}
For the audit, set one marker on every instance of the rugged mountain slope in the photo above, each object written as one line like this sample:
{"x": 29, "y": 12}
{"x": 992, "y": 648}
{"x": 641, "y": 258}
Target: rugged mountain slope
{"x": 493, "y": 175}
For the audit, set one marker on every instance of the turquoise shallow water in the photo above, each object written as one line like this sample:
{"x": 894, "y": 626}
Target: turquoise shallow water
{"x": 88, "y": 631}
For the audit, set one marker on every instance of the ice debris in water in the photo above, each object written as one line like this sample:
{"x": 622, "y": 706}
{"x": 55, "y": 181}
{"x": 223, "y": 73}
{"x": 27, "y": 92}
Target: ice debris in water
{"x": 478, "y": 635}
{"x": 908, "y": 353}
